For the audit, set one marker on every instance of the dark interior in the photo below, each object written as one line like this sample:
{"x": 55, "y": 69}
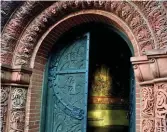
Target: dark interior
{"x": 106, "y": 47}
{"x": 109, "y": 48}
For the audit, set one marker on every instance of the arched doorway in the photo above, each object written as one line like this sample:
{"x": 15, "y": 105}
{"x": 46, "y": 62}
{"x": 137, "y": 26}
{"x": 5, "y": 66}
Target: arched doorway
{"x": 90, "y": 82}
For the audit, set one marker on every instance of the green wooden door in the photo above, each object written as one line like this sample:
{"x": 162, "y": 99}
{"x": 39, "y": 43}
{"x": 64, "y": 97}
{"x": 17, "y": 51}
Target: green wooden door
{"x": 66, "y": 109}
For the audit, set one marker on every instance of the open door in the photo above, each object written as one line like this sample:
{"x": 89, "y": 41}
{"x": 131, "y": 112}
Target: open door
{"x": 67, "y": 85}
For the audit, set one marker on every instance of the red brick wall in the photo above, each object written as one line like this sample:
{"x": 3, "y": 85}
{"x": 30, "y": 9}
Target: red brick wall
{"x": 34, "y": 96}
{"x": 138, "y": 100}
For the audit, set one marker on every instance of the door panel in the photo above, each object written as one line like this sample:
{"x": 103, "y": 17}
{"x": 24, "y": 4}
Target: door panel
{"x": 68, "y": 80}
{"x": 71, "y": 57}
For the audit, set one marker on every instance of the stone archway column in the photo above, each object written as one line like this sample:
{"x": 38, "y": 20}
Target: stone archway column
{"x": 14, "y": 86}
{"x": 151, "y": 75}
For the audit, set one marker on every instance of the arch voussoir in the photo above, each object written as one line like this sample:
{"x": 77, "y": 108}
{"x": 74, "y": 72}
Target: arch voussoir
{"x": 124, "y": 10}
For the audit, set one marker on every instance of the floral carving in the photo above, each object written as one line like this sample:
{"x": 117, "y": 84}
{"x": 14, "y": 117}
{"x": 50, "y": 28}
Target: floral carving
{"x": 157, "y": 18}
{"x": 114, "y": 5}
{"x": 146, "y": 45}
{"x": 4, "y": 106}
{"x": 147, "y": 103}
{"x": 142, "y": 33}
{"x": 124, "y": 10}
{"x": 18, "y": 98}
{"x": 17, "y": 121}
{"x": 135, "y": 21}
{"x": 18, "y": 103}
{"x": 161, "y": 107}
{"x": 132, "y": 15}
{"x": 15, "y": 26}
{"x": 147, "y": 125}
{"x": 7, "y": 8}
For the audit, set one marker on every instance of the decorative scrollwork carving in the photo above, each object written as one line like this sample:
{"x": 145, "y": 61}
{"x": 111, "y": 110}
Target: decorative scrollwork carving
{"x": 18, "y": 98}
{"x": 18, "y": 103}
{"x": 157, "y": 18}
{"x": 148, "y": 125}
{"x": 126, "y": 11}
{"x": 147, "y": 103}
{"x": 142, "y": 33}
{"x": 17, "y": 120}
{"x": 161, "y": 107}
{"x": 4, "y": 106}
{"x": 13, "y": 28}
{"x": 69, "y": 88}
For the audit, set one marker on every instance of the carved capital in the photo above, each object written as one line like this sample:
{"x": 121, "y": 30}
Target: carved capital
{"x": 18, "y": 76}
{"x": 152, "y": 67}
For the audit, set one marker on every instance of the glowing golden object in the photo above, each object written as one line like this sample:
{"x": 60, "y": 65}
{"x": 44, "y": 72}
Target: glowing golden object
{"x": 107, "y": 117}
{"x": 102, "y": 82}
{"x": 100, "y": 112}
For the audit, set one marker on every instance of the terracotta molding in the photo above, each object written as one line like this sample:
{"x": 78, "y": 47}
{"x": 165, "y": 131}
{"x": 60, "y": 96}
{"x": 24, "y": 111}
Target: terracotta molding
{"x": 151, "y": 68}
{"x": 153, "y": 81}
{"x": 15, "y": 85}
{"x": 16, "y": 109}
{"x": 15, "y": 76}
{"x": 160, "y": 106}
{"x": 157, "y": 52}
{"x": 84, "y": 17}
{"x": 128, "y": 13}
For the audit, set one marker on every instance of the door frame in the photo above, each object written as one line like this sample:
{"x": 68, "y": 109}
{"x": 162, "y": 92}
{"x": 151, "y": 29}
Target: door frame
{"x": 44, "y": 94}
{"x": 45, "y": 81}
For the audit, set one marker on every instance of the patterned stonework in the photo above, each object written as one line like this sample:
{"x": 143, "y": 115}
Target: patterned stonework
{"x": 147, "y": 108}
{"x": 16, "y": 25}
{"x": 161, "y": 107}
{"x": 147, "y": 125}
{"x": 147, "y": 101}
{"x": 147, "y": 20}
{"x": 157, "y": 19}
{"x": 4, "y": 95}
{"x": 17, "y": 109}
{"x": 126, "y": 11}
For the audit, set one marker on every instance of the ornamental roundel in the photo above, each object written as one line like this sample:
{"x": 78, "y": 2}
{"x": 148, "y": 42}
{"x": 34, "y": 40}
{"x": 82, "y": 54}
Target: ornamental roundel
{"x": 18, "y": 97}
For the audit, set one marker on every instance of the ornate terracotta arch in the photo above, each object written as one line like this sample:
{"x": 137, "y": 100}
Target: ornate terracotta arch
{"x": 136, "y": 23}
{"x": 78, "y": 18}
{"x": 148, "y": 31}
{"x": 25, "y": 40}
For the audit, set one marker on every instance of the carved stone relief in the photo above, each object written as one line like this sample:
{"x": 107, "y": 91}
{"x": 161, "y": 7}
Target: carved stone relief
{"x": 153, "y": 12}
{"x": 147, "y": 101}
{"x": 4, "y": 106}
{"x": 150, "y": 73}
{"x": 147, "y": 108}
{"x": 7, "y": 8}
{"x": 17, "y": 109}
{"x": 147, "y": 125}
{"x": 126, "y": 11}
{"x": 161, "y": 107}
{"x": 157, "y": 19}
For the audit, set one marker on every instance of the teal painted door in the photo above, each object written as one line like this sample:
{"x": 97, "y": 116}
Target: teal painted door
{"x": 68, "y": 88}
